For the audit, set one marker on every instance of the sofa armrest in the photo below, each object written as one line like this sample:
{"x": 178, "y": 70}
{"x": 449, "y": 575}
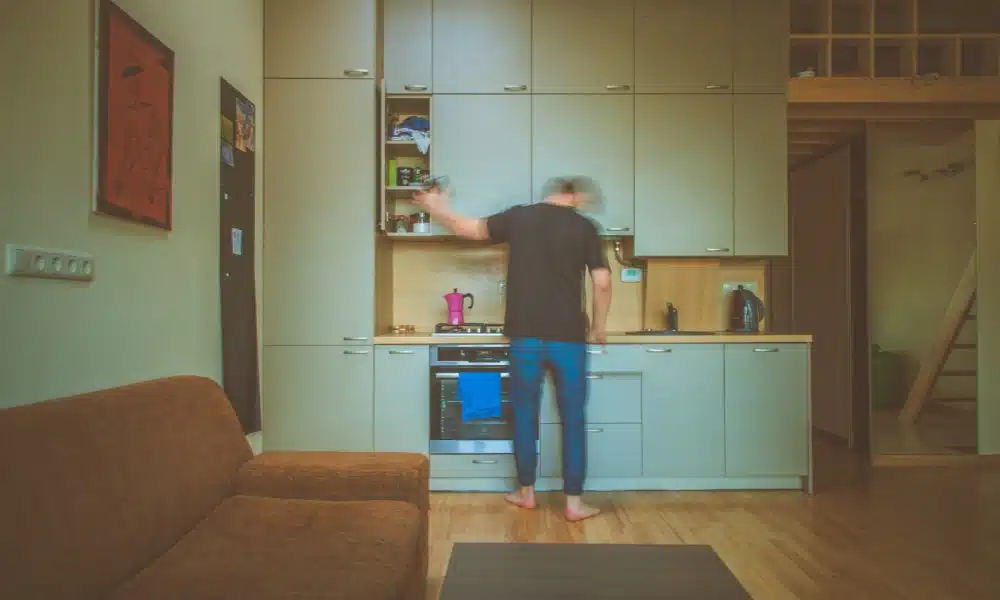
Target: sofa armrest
{"x": 337, "y": 476}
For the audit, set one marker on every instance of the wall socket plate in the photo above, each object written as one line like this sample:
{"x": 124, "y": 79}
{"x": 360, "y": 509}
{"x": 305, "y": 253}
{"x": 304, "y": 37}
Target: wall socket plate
{"x": 49, "y": 263}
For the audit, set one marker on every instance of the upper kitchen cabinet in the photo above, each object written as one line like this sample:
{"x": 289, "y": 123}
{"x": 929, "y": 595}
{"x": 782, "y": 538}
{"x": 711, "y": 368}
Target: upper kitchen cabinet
{"x": 482, "y": 46}
{"x": 318, "y": 248}
{"x": 483, "y": 143}
{"x": 588, "y": 135}
{"x": 582, "y": 46}
{"x": 684, "y": 175}
{"x": 760, "y": 185}
{"x": 760, "y": 46}
{"x": 329, "y": 39}
{"x": 683, "y": 46}
{"x": 407, "y": 46}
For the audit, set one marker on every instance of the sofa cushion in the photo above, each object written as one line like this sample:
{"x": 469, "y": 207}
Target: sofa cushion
{"x": 256, "y": 548}
{"x": 97, "y": 486}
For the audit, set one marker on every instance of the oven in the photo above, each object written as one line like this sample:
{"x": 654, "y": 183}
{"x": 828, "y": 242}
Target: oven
{"x": 449, "y": 433}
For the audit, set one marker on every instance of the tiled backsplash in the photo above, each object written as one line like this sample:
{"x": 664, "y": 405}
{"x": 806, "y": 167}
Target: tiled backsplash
{"x": 423, "y": 272}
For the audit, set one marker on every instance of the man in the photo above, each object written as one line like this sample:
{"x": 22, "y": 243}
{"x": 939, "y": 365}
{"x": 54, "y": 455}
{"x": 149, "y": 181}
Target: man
{"x": 550, "y": 246}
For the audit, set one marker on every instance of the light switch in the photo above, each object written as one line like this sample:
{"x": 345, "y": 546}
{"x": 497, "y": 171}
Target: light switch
{"x": 48, "y": 263}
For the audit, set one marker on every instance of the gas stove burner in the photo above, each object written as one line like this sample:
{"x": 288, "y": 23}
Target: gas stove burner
{"x": 469, "y": 329}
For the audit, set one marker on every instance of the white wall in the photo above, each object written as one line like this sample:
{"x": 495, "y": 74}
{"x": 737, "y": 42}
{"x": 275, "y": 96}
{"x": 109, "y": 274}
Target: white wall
{"x": 153, "y": 308}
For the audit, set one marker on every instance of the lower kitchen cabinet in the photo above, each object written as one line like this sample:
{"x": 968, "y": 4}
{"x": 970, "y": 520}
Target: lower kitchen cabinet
{"x": 473, "y": 466}
{"x": 318, "y": 398}
{"x": 402, "y": 399}
{"x": 612, "y": 398}
{"x": 683, "y": 411}
{"x": 767, "y": 409}
{"x": 613, "y": 450}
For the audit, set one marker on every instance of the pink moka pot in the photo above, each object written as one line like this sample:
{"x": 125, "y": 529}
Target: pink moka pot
{"x": 456, "y": 306}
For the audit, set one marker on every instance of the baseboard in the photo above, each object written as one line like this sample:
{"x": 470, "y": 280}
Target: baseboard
{"x": 616, "y": 484}
{"x": 936, "y": 460}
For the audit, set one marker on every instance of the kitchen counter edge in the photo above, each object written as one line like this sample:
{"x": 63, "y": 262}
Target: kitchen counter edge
{"x": 422, "y": 339}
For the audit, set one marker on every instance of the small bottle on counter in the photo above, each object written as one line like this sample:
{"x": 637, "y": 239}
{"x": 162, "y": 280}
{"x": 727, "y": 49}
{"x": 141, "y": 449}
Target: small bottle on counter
{"x": 671, "y": 313}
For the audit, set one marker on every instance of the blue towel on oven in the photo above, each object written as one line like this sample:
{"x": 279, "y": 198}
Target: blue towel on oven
{"x": 479, "y": 394}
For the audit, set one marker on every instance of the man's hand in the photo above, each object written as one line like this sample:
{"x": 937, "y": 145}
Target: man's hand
{"x": 598, "y": 335}
{"x": 432, "y": 200}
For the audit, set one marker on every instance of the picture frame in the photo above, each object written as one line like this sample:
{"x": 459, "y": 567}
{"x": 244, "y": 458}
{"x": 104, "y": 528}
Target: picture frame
{"x": 134, "y": 121}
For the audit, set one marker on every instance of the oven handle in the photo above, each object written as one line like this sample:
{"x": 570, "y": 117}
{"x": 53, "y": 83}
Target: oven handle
{"x": 455, "y": 375}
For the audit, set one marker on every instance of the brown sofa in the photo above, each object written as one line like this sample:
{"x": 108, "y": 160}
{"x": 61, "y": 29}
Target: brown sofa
{"x": 151, "y": 492}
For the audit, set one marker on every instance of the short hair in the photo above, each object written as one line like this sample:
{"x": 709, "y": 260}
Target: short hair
{"x": 575, "y": 184}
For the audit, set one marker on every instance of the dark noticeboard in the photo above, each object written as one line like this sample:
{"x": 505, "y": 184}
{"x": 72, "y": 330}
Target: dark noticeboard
{"x": 237, "y": 234}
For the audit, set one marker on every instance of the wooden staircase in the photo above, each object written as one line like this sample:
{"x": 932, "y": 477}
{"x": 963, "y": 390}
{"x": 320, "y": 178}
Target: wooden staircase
{"x": 953, "y": 345}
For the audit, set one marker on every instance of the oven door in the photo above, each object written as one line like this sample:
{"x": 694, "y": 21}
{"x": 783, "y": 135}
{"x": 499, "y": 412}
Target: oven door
{"x": 450, "y": 434}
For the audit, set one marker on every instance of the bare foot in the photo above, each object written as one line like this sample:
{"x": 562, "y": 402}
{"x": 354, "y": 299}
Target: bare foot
{"x": 576, "y": 510}
{"x": 524, "y": 498}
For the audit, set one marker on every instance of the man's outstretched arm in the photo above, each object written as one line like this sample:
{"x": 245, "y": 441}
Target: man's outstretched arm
{"x": 435, "y": 203}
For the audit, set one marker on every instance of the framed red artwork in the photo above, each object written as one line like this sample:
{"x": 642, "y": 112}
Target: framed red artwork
{"x": 135, "y": 102}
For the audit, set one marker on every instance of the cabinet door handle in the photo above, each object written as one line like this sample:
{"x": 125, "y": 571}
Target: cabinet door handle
{"x": 355, "y": 72}
{"x": 484, "y": 462}
{"x": 596, "y": 351}
{"x": 595, "y": 430}
{"x": 765, "y": 349}
{"x": 717, "y": 86}
{"x": 617, "y": 229}
{"x": 617, "y": 88}
{"x": 659, "y": 350}
{"x": 716, "y": 249}
{"x": 415, "y": 87}
{"x": 594, "y": 376}
{"x": 355, "y": 339}
{"x": 355, "y": 352}
{"x": 515, "y": 88}
{"x": 397, "y": 352}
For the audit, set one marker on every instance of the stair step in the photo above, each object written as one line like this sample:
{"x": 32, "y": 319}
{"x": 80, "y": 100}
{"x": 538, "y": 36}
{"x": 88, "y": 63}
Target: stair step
{"x": 959, "y": 373}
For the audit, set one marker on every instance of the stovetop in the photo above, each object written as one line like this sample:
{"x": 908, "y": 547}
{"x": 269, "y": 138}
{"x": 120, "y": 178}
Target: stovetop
{"x": 485, "y": 329}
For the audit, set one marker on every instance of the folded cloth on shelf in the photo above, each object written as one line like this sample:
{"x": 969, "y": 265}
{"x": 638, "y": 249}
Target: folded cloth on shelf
{"x": 479, "y": 394}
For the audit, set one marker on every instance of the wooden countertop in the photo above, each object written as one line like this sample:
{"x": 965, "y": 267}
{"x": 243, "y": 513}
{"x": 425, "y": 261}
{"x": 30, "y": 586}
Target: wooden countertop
{"x": 422, "y": 338}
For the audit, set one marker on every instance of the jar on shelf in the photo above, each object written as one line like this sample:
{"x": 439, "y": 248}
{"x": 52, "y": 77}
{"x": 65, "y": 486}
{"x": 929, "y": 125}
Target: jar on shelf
{"x": 421, "y": 223}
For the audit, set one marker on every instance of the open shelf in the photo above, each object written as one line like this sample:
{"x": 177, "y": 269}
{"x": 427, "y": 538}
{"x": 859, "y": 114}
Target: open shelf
{"x": 405, "y": 161}
{"x": 850, "y": 17}
{"x": 809, "y": 54}
{"x": 896, "y": 39}
{"x": 979, "y": 58}
{"x": 809, "y": 17}
{"x": 850, "y": 58}
{"x": 937, "y": 57}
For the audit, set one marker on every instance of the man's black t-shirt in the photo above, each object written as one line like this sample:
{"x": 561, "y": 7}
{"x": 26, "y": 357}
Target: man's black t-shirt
{"x": 550, "y": 247}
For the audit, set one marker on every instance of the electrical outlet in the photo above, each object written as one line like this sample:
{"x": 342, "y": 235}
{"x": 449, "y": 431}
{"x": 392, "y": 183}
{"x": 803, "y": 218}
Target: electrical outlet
{"x": 502, "y": 287}
{"x": 47, "y": 263}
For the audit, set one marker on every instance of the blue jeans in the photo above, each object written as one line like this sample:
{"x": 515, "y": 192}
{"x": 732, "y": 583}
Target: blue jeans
{"x": 529, "y": 359}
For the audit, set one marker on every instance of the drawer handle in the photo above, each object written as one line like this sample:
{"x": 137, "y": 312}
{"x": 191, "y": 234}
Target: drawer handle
{"x": 659, "y": 350}
{"x": 617, "y": 87}
{"x": 398, "y": 352}
{"x": 355, "y": 72}
{"x": 592, "y": 376}
{"x": 355, "y": 339}
{"x": 620, "y": 229}
{"x": 595, "y": 430}
{"x": 355, "y": 352}
{"x": 414, "y": 87}
{"x": 716, "y": 86}
{"x": 716, "y": 249}
{"x": 765, "y": 349}
{"x": 596, "y": 351}
{"x": 515, "y": 88}
{"x": 484, "y": 462}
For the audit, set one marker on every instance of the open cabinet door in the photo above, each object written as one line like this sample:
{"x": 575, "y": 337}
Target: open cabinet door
{"x": 381, "y": 121}
{"x": 988, "y": 292}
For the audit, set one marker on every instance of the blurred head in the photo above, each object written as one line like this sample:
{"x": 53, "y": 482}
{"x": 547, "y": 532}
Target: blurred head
{"x": 575, "y": 191}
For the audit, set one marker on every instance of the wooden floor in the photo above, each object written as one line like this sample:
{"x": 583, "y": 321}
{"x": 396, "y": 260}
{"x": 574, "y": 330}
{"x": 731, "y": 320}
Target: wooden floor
{"x": 879, "y": 534}
{"x": 940, "y": 430}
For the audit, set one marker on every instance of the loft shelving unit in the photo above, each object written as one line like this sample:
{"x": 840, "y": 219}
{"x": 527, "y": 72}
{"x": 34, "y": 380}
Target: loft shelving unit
{"x": 895, "y": 50}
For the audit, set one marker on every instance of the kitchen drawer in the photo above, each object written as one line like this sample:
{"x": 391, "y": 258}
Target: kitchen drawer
{"x": 621, "y": 358}
{"x": 614, "y": 398}
{"x": 473, "y": 465}
{"x": 613, "y": 450}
